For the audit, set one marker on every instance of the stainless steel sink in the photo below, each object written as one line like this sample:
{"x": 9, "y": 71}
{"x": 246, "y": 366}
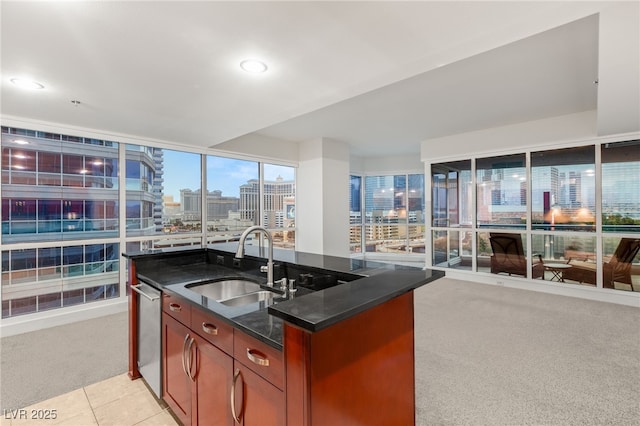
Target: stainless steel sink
{"x": 258, "y": 296}
{"x": 224, "y": 289}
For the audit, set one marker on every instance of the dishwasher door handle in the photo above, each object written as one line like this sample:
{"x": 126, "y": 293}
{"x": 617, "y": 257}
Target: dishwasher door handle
{"x": 136, "y": 288}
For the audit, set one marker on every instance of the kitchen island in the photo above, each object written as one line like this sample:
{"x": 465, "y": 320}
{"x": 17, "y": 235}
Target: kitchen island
{"x": 338, "y": 350}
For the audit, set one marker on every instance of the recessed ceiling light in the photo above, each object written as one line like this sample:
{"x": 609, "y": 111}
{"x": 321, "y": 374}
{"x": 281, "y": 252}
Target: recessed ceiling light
{"x": 25, "y": 83}
{"x": 20, "y": 142}
{"x": 253, "y": 66}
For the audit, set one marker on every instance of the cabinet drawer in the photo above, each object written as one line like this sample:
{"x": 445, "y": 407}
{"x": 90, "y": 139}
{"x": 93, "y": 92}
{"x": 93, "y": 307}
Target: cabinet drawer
{"x": 261, "y": 358}
{"x": 177, "y": 307}
{"x": 212, "y": 329}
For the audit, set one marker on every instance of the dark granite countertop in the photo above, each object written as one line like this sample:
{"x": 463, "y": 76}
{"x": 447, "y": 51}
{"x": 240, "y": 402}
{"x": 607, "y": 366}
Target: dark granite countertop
{"x": 361, "y": 285}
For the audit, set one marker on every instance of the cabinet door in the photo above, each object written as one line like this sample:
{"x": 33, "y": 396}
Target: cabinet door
{"x": 257, "y": 402}
{"x": 212, "y": 371}
{"x": 176, "y": 385}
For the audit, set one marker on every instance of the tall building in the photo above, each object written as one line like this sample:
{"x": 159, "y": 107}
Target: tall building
{"x": 191, "y": 204}
{"x": 250, "y": 200}
{"x": 219, "y": 206}
{"x": 56, "y": 189}
{"x": 49, "y": 195}
{"x": 158, "y": 187}
{"x": 275, "y": 195}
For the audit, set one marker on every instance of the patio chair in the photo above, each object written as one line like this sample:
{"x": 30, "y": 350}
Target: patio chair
{"x": 508, "y": 256}
{"x": 619, "y": 267}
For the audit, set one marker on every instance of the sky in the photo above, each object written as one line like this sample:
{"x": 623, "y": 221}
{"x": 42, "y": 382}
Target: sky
{"x": 182, "y": 171}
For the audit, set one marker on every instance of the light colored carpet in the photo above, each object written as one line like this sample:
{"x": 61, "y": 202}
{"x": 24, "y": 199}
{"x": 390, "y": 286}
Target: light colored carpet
{"x": 489, "y": 355}
{"x": 485, "y": 355}
{"x": 45, "y": 363}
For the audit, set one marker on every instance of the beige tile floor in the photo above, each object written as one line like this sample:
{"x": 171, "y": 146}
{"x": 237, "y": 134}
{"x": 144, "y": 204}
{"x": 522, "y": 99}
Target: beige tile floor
{"x": 117, "y": 401}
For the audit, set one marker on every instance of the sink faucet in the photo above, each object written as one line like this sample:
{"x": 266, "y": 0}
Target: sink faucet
{"x": 240, "y": 252}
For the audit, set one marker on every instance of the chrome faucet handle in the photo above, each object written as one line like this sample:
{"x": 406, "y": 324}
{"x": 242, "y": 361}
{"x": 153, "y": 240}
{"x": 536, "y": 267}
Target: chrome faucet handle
{"x": 292, "y": 286}
{"x": 264, "y": 268}
{"x": 283, "y": 284}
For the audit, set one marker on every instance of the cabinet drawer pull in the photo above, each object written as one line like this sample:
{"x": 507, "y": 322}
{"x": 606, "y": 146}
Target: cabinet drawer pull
{"x": 191, "y": 374}
{"x": 175, "y": 307}
{"x": 210, "y": 329}
{"x": 236, "y": 417}
{"x": 184, "y": 354}
{"x": 257, "y": 358}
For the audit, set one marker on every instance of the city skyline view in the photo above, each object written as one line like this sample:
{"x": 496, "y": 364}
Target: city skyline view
{"x": 179, "y": 173}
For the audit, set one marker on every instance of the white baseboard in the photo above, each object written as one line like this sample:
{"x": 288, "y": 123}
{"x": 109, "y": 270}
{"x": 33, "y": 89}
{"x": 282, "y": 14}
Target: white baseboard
{"x": 628, "y": 298}
{"x": 33, "y": 322}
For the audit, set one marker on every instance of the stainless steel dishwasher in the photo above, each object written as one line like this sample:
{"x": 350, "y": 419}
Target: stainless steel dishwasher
{"x": 149, "y": 335}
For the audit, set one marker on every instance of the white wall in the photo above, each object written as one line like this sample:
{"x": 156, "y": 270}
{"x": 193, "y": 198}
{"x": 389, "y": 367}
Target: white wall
{"x": 619, "y": 69}
{"x": 322, "y": 198}
{"x": 386, "y": 165}
{"x": 260, "y": 147}
{"x": 548, "y": 132}
{"x": 618, "y": 108}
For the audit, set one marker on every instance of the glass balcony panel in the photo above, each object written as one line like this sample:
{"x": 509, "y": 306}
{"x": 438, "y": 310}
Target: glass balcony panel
{"x": 416, "y": 239}
{"x": 621, "y": 263}
{"x": 49, "y": 301}
{"x": 386, "y": 238}
{"x": 567, "y": 258}
{"x": 355, "y": 239}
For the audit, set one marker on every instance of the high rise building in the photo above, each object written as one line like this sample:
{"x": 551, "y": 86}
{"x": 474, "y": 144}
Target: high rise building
{"x": 275, "y": 195}
{"x": 158, "y": 187}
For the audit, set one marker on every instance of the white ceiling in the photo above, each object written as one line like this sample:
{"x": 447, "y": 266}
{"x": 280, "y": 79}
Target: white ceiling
{"x": 379, "y": 76}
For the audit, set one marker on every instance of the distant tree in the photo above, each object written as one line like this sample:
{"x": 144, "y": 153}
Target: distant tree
{"x": 618, "y": 219}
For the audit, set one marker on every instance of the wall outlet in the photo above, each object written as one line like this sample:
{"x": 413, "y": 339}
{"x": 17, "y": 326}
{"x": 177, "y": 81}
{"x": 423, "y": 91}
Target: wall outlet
{"x": 220, "y": 260}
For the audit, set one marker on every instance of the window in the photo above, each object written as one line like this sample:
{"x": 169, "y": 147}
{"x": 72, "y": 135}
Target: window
{"x": 237, "y": 198}
{"x": 35, "y": 280}
{"x": 621, "y": 186}
{"x": 233, "y": 197}
{"x": 561, "y": 243}
{"x": 563, "y": 189}
{"x": 452, "y": 207}
{"x": 279, "y": 204}
{"x": 355, "y": 214}
{"x": 394, "y": 214}
{"x": 57, "y": 188}
{"x": 163, "y": 191}
{"x": 501, "y": 191}
{"x": 68, "y": 196}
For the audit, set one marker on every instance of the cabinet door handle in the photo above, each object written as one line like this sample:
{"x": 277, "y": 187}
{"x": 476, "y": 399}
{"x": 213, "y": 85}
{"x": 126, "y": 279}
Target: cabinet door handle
{"x": 184, "y": 350}
{"x": 192, "y": 375}
{"x": 210, "y": 329}
{"x": 175, "y": 307}
{"x": 257, "y": 358}
{"x": 236, "y": 416}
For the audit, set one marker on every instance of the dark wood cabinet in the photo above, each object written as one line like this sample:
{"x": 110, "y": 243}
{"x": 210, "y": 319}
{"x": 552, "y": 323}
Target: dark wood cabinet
{"x": 204, "y": 385}
{"x": 360, "y": 371}
{"x": 346, "y": 358}
{"x": 256, "y": 401}
{"x": 212, "y": 385}
{"x": 176, "y": 384}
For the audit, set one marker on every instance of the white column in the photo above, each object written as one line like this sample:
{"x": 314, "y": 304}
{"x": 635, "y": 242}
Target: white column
{"x": 322, "y": 198}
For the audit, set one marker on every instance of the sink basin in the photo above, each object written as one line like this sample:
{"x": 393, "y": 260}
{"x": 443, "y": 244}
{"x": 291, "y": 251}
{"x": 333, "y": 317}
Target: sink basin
{"x": 257, "y": 296}
{"x": 224, "y": 289}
